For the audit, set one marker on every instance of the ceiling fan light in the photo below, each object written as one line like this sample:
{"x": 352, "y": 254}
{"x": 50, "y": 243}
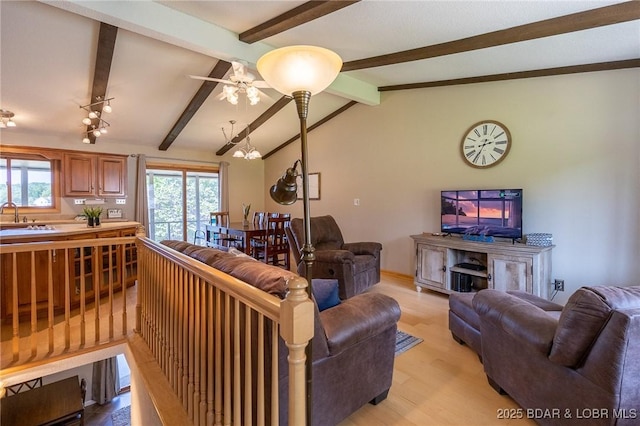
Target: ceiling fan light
{"x": 11, "y": 123}
{"x": 2, "y": 124}
{"x": 86, "y": 140}
{"x": 299, "y": 68}
{"x": 238, "y": 154}
{"x": 252, "y": 92}
{"x": 97, "y": 133}
{"x": 229, "y": 90}
{"x": 107, "y": 108}
{"x": 86, "y": 121}
{"x": 93, "y": 114}
{"x": 253, "y": 101}
{"x": 233, "y": 99}
{"x": 255, "y": 154}
{"x": 103, "y": 130}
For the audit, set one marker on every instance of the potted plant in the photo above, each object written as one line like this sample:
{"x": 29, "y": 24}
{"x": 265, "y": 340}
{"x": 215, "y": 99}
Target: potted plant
{"x": 93, "y": 216}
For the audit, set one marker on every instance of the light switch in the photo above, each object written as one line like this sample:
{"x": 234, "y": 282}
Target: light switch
{"x": 356, "y": 201}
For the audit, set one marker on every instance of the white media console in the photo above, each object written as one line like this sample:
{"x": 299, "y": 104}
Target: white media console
{"x": 507, "y": 266}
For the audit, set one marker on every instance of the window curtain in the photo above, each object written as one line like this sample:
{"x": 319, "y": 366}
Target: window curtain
{"x": 106, "y": 380}
{"x": 223, "y": 187}
{"x": 142, "y": 200}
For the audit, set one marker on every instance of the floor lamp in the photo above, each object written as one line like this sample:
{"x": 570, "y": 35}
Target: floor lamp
{"x": 300, "y": 71}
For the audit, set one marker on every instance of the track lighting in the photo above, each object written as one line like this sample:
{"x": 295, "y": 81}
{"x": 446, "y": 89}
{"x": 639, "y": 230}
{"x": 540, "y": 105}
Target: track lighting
{"x": 94, "y": 117}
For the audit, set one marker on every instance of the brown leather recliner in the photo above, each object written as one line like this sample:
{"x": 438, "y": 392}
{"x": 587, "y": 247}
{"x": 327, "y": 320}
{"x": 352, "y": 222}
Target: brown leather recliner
{"x": 583, "y": 368}
{"x": 356, "y": 266}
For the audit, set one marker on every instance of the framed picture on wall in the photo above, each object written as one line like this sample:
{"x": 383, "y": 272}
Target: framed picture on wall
{"x": 314, "y": 186}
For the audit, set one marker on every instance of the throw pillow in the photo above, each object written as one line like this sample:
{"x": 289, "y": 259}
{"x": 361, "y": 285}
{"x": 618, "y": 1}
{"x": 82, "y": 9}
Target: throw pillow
{"x": 325, "y": 291}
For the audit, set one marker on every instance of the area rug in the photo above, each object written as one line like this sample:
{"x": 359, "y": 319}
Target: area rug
{"x": 405, "y": 341}
{"x": 122, "y": 417}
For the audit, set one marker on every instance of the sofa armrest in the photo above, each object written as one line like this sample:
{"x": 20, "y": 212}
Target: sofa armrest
{"x": 506, "y": 313}
{"x": 357, "y": 319}
{"x": 363, "y": 248}
{"x": 334, "y": 256}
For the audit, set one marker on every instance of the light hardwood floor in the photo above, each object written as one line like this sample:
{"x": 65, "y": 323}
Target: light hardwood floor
{"x": 437, "y": 382}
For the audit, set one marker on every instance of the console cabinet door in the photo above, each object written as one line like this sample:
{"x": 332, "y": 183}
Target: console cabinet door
{"x": 431, "y": 266}
{"x": 511, "y": 273}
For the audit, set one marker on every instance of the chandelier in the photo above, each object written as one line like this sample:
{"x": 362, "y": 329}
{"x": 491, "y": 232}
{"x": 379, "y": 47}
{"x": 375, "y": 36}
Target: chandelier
{"x": 100, "y": 128}
{"x": 248, "y": 151}
{"x": 6, "y": 119}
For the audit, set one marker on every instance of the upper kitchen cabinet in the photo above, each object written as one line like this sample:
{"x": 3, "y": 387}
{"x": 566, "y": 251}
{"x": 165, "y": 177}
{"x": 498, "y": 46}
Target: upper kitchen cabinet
{"x": 95, "y": 175}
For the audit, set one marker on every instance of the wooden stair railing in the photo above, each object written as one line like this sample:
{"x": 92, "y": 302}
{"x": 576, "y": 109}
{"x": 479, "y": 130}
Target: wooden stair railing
{"x": 216, "y": 338}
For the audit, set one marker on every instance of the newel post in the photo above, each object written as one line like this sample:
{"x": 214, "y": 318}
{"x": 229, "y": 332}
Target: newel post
{"x": 296, "y": 328}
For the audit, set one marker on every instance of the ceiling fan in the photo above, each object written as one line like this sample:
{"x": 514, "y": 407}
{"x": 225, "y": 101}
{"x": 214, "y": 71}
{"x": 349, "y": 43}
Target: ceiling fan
{"x": 241, "y": 81}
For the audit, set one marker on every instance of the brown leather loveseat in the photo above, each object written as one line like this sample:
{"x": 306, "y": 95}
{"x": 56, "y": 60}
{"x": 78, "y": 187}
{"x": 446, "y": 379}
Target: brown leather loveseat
{"x": 581, "y": 368}
{"x": 353, "y": 343}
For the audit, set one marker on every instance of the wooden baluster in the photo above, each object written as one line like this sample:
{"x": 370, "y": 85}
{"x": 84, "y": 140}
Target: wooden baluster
{"x": 34, "y": 308}
{"x": 212, "y": 335}
{"x": 275, "y": 384}
{"x": 67, "y": 301}
{"x": 247, "y": 366}
{"x": 196, "y": 352}
{"x": 179, "y": 333}
{"x": 237, "y": 397}
{"x": 226, "y": 374}
{"x": 185, "y": 342}
{"x": 14, "y": 307}
{"x": 110, "y": 293}
{"x": 82, "y": 296}
{"x": 123, "y": 274}
{"x": 260, "y": 421}
{"x": 50, "y": 296}
{"x": 97, "y": 263}
{"x": 204, "y": 312}
{"x": 218, "y": 375}
{"x": 190, "y": 387}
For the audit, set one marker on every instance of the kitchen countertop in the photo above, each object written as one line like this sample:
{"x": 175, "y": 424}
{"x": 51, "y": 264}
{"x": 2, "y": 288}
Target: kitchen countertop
{"x": 46, "y": 230}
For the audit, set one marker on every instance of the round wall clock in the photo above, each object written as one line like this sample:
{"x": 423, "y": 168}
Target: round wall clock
{"x": 486, "y": 144}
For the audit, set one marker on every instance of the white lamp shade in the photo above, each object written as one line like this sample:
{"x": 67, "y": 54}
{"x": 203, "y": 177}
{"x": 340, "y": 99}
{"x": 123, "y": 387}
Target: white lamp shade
{"x": 299, "y": 68}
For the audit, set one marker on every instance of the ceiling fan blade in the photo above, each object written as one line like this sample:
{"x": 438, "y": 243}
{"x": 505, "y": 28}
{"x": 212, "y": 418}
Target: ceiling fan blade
{"x": 260, "y": 84}
{"x": 197, "y": 77}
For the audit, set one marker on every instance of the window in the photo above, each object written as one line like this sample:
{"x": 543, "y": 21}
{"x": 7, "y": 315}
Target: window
{"x": 180, "y": 201}
{"x": 29, "y": 182}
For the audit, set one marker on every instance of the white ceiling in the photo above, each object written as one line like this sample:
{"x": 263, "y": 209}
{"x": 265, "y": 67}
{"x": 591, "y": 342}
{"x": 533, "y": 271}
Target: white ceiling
{"x": 49, "y": 51}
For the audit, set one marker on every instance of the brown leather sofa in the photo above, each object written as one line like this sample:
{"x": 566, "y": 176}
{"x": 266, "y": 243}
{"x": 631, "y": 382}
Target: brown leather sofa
{"x": 581, "y": 368}
{"x": 353, "y": 343}
{"x": 356, "y": 266}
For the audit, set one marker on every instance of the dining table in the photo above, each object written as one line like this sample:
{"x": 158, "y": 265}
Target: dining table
{"x": 244, "y": 232}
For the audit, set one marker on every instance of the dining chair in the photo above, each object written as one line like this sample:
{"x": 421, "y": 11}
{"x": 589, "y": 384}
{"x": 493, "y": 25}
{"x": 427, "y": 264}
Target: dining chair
{"x": 276, "y": 245}
{"x": 219, "y": 239}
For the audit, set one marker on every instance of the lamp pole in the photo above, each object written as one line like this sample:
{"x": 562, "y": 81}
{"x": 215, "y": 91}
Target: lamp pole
{"x": 302, "y": 98}
{"x": 301, "y": 71}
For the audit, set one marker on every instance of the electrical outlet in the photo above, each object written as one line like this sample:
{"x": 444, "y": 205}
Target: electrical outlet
{"x": 558, "y": 285}
{"x": 121, "y": 200}
{"x": 356, "y": 201}
{"x": 78, "y": 201}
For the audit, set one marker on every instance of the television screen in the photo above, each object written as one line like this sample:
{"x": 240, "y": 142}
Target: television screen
{"x": 486, "y": 212}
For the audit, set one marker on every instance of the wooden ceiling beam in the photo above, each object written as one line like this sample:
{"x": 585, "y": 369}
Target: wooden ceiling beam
{"x": 218, "y": 71}
{"x": 302, "y": 14}
{"x": 104, "y": 57}
{"x": 608, "y": 15}
{"x": 572, "y": 69}
{"x": 310, "y": 128}
{"x": 273, "y": 109}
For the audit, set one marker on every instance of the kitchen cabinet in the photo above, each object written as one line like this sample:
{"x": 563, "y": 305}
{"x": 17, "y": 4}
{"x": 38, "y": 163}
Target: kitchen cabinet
{"x": 94, "y": 175}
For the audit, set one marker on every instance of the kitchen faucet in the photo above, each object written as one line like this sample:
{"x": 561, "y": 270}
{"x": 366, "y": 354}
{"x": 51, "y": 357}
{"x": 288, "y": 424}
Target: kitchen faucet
{"x": 16, "y": 219}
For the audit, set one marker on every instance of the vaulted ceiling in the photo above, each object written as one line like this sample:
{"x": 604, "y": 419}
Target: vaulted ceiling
{"x": 57, "y": 56}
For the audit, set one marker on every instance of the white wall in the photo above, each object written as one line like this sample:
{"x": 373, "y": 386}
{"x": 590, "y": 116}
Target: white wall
{"x": 576, "y": 154}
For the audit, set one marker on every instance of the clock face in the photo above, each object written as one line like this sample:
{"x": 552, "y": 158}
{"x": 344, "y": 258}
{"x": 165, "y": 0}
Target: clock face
{"x": 486, "y": 144}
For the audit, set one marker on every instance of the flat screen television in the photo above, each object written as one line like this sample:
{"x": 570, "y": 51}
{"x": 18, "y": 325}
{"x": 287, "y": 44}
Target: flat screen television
{"x": 485, "y": 212}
